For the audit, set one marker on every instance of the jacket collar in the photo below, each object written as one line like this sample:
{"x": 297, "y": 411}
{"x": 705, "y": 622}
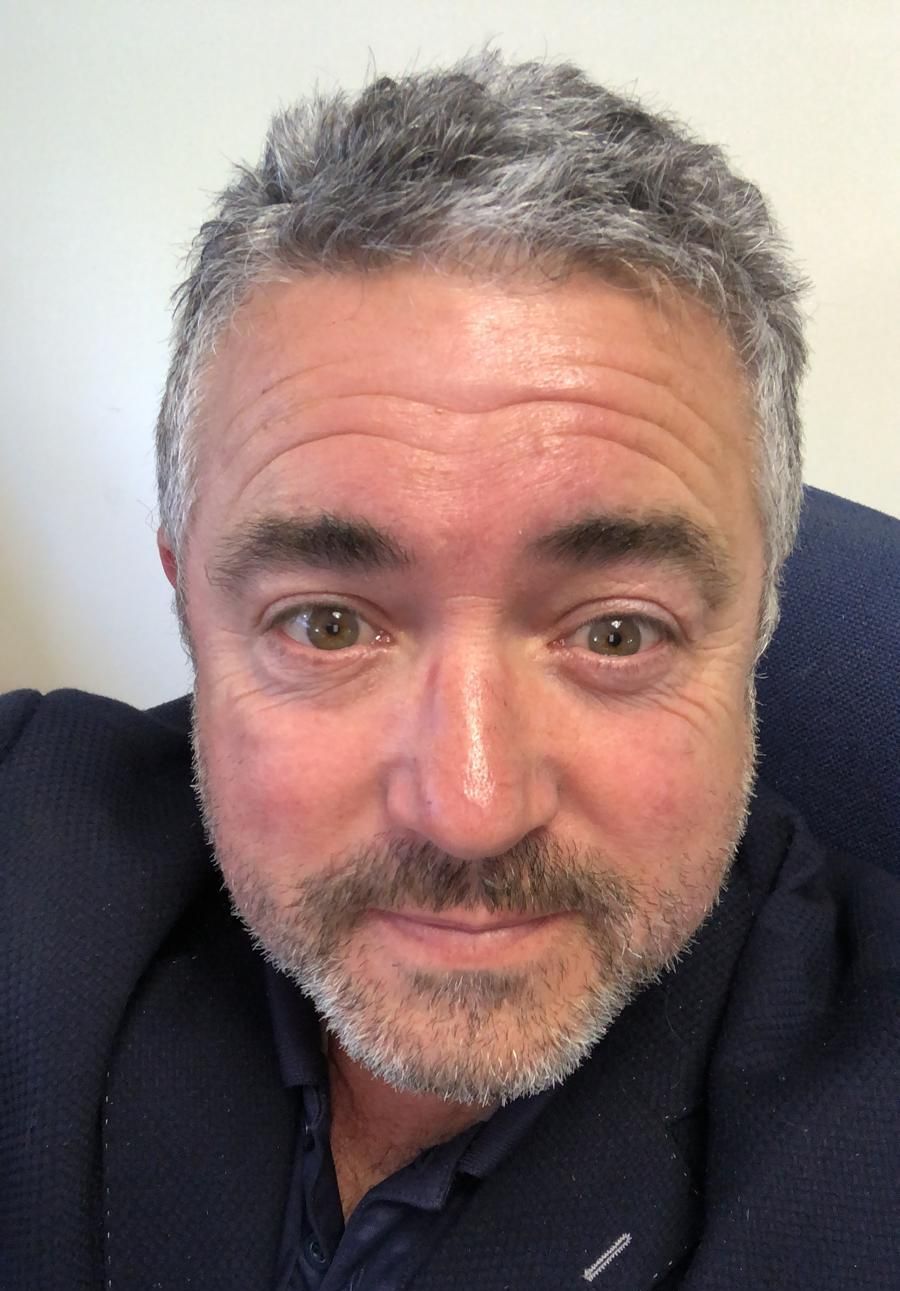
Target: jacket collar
{"x": 199, "y": 1132}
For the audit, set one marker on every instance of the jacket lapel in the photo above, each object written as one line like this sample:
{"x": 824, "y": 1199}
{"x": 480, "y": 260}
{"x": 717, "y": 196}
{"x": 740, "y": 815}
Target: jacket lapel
{"x": 599, "y": 1196}
{"x": 199, "y": 1132}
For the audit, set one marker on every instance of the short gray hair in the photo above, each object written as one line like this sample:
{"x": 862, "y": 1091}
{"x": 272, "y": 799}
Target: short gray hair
{"x": 488, "y": 163}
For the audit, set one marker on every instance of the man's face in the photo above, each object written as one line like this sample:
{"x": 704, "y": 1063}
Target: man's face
{"x": 473, "y": 583}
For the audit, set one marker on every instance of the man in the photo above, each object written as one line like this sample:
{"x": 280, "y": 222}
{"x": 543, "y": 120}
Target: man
{"x": 478, "y": 463}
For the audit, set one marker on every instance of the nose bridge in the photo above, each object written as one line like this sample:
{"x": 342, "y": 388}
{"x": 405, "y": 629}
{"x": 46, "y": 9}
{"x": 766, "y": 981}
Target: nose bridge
{"x": 473, "y": 782}
{"x": 473, "y": 711}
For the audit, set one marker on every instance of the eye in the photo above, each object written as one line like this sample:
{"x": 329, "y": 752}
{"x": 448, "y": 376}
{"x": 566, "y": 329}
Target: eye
{"x": 325, "y": 627}
{"x": 618, "y": 635}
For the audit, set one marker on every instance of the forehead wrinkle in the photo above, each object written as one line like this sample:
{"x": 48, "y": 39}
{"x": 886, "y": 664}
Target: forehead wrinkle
{"x": 550, "y": 345}
{"x": 659, "y": 353}
{"x": 645, "y": 439}
{"x": 660, "y": 387}
{"x": 272, "y": 391}
{"x": 664, "y": 405}
{"x": 614, "y": 427}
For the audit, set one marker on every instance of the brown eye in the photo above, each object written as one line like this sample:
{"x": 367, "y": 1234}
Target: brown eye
{"x": 327, "y": 627}
{"x": 619, "y": 636}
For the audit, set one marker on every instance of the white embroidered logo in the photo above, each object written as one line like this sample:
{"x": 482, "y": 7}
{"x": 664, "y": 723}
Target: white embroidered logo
{"x": 607, "y": 1257}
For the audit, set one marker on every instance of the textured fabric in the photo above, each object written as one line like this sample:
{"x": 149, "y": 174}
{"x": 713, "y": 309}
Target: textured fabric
{"x": 737, "y": 1128}
{"x": 829, "y": 694}
{"x": 105, "y": 873}
{"x": 397, "y": 1223}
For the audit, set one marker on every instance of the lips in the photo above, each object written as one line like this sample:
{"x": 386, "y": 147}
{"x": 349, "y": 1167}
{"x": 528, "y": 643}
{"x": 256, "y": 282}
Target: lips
{"x": 458, "y": 923}
{"x": 463, "y": 939}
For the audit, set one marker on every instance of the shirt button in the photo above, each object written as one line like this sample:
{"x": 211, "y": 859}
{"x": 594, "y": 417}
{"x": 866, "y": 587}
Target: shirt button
{"x": 316, "y": 1254}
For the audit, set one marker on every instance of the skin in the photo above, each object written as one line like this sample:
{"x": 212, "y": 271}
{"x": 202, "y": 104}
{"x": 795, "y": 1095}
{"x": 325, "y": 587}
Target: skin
{"x": 471, "y": 714}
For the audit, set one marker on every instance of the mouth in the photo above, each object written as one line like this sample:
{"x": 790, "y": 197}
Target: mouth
{"x": 465, "y": 922}
{"x": 463, "y": 939}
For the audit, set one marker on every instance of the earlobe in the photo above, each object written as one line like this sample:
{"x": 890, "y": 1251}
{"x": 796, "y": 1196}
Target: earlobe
{"x": 167, "y": 556}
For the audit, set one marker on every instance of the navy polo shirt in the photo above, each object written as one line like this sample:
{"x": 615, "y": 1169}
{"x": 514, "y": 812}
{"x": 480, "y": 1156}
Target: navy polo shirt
{"x": 396, "y": 1223}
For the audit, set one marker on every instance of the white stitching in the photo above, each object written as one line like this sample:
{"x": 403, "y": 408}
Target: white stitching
{"x": 106, "y": 1198}
{"x": 607, "y": 1257}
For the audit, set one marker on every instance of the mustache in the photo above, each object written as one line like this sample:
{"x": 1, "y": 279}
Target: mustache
{"x": 535, "y": 878}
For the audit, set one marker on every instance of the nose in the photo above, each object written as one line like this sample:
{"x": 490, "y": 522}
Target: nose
{"x": 473, "y": 777}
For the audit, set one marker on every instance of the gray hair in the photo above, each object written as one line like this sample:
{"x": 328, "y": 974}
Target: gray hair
{"x": 488, "y": 164}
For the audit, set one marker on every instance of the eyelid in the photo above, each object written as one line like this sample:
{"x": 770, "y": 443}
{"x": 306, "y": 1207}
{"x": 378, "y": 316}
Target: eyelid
{"x": 622, "y": 608}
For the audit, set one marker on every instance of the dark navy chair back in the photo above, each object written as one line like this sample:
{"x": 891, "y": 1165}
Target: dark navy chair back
{"x": 829, "y": 684}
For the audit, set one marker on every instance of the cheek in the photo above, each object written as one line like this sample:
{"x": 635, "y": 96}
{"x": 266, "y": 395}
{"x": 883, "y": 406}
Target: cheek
{"x": 282, "y": 786}
{"x": 665, "y": 786}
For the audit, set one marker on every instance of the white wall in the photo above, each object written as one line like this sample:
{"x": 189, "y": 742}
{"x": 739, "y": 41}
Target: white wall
{"x": 118, "y": 119}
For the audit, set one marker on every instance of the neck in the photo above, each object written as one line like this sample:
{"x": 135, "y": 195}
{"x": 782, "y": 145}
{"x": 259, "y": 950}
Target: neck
{"x": 376, "y": 1130}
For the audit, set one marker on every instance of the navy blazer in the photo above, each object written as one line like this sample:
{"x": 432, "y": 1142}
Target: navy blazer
{"x": 735, "y": 1131}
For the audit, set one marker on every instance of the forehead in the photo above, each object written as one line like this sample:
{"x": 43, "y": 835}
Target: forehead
{"x": 430, "y": 333}
{"x": 431, "y": 388}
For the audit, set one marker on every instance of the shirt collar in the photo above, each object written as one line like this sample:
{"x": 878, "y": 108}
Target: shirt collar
{"x": 298, "y": 1035}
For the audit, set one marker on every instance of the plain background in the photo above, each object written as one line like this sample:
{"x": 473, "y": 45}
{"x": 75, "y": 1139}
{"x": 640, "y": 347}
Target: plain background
{"x": 120, "y": 118}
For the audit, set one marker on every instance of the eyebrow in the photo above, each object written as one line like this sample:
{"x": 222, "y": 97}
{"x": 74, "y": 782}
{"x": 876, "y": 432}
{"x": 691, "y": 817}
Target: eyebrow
{"x": 323, "y": 541}
{"x": 347, "y": 543}
{"x": 661, "y": 538}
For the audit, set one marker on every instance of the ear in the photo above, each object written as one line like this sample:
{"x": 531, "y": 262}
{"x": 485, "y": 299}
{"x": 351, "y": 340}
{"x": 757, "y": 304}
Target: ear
{"x": 167, "y": 556}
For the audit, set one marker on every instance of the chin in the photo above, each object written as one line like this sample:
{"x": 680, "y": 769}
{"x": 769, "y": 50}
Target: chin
{"x": 478, "y": 1036}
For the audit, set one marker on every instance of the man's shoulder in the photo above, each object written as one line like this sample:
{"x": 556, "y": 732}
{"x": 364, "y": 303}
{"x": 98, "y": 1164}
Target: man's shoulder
{"x": 817, "y": 895}
{"x": 819, "y": 974}
{"x": 79, "y": 760}
{"x": 97, "y": 810}
{"x": 40, "y": 726}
